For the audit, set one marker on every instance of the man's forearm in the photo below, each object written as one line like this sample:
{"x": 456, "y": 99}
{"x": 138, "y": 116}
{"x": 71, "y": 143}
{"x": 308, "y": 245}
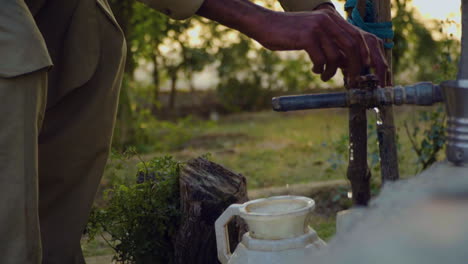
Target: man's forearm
{"x": 302, "y": 5}
{"x": 241, "y": 15}
{"x": 330, "y": 41}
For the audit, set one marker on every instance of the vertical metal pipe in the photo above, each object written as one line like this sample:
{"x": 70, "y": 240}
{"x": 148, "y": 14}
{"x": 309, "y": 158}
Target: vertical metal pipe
{"x": 358, "y": 170}
{"x": 386, "y": 132}
{"x": 463, "y": 67}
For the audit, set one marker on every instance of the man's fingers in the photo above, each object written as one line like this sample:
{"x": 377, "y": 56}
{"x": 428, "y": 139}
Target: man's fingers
{"x": 379, "y": 62}
{"x": 350, "y": 45}
{"x": 389, "y": 78}
{"x": 333, "y": 57}
{"x": 380, "y": 70}
{"x": 358, "y": 35}
{"x": 317, "y": 57}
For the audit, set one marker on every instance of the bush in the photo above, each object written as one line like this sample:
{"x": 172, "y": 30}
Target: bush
{"x": 143, "y": 217}
{"x": 428, "y": 136}
{"x": 246, "y": 95}
{"x": 149, "y": 134}
{"x": 158, "y": 135}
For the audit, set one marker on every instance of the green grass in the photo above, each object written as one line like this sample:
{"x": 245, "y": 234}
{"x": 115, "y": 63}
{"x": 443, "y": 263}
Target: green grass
{"x": 275, "y": 149}
{"x": 325, "y": 227}
{"x": 96, "y": 247}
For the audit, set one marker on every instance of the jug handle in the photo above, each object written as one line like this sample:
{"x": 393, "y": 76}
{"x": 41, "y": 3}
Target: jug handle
{"x": 222, "y": 235}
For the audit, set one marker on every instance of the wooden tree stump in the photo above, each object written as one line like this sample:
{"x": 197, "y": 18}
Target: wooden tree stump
{"x": 206, "y": 190}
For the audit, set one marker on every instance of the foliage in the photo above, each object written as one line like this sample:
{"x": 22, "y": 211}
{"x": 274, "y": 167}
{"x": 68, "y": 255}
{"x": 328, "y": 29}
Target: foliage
{"x": 414, "y": 44}
{"x": 420, "y": 53}
{"x": 178, "y": 50}
{"x": 339, "y": 156}
{"x": 153, "y": 39}
{"x": 428, "y": 136}
{"x": 142, "y": 217}
{"x": 249, "y": 74}
{"x": 285, "y": 148}
{"x": 249, "y": 97}
{"x": 325, "y": 227}
{"x": 158, "y": 135}
{"x": 417, "y": 51}
{"x": 446, "y": 67}
{"x": 120, "y": 168}
{"x": 139, "y": 127}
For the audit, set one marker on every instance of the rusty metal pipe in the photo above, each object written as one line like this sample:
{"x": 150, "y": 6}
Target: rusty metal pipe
{"x": 310, "y": 101}
{"x": 422, "y": 94}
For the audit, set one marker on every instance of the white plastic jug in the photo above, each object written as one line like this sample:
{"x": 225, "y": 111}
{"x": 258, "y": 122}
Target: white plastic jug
{"x": 278, "y": 232}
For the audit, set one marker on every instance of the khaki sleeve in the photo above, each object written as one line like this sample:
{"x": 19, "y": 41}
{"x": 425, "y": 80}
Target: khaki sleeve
{"x": 301, "y": 5}
{"x": 177, "y": 9}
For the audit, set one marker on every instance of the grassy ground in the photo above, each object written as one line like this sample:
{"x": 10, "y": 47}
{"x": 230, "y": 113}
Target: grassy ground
{"x": 274, "y": 149}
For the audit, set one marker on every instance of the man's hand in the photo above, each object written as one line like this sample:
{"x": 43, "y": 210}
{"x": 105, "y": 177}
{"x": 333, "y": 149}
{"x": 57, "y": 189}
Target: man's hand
{"x": 330, "y": 41}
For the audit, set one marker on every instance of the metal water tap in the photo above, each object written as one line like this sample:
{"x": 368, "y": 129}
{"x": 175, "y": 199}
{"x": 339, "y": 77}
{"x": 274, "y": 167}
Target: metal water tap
{"x": 423, "y": 94}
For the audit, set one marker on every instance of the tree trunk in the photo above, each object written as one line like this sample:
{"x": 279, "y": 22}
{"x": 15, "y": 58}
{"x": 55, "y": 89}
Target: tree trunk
{"x": 172, "y": 96}
{"x": 191, "y": 82}
{"x": 206, "y": 190}
{"x": 156, "y": 78}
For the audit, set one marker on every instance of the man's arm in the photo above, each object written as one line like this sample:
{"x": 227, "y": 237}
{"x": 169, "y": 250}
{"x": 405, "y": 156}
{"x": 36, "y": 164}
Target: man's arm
{"x": 177, "y": 9}
{"x": 302, "y": 5}
{"x": 330, "y": 41}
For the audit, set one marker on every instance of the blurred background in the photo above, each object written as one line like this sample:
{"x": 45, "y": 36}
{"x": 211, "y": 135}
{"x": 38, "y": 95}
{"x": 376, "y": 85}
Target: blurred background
{"x": 196, "y": 88}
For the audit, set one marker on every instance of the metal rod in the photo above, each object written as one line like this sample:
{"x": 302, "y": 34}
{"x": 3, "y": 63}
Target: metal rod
{"x": 422, "y": 94}
{"x": 386, "y": 132}
{"x": 463, "y": 67}
{"x": 310, "y": 101}
{"x": 358, "y": 171}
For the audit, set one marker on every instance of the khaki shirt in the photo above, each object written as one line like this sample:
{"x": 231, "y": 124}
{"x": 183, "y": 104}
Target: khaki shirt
{"x": 23, "y": 49}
